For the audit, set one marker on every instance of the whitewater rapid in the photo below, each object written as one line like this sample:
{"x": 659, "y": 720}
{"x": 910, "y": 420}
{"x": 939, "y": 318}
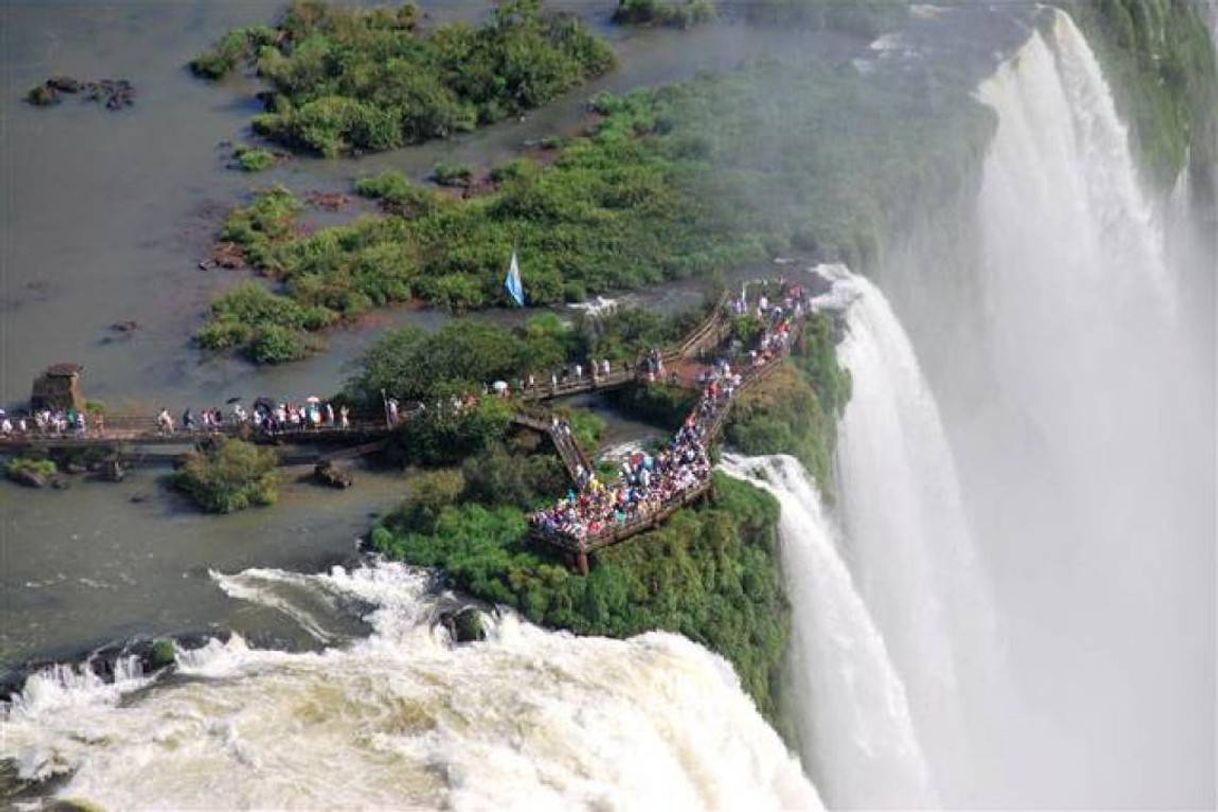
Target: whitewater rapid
{"x": 853, "y": 714}
{"x": 527, "y": 719}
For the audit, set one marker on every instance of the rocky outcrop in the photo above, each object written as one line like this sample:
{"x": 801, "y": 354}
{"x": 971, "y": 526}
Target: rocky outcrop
{"x": 329, "y": 474}
{"x": 115, "y": 94}
{"x": 464, "y": 625}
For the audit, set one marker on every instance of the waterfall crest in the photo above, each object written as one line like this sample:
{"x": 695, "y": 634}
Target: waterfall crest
{"x": 853, "y": 714}
{"x": 528, "y": 719}
{"x": 909, "y": 541}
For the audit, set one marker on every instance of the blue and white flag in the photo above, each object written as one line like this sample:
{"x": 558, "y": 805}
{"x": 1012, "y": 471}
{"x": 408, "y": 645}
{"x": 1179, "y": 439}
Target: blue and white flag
{"x": 512, "y": 283}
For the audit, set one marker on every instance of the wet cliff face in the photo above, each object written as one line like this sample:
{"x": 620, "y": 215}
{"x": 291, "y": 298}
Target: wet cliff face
{"x": 1159, "y": 57}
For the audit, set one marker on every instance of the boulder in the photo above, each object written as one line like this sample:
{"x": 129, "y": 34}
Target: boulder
{"x": 64, "y": 84}
{"x": 327, "y": 473}
{"x": 112, "y": 471}
{"x": 60, "y": 483}
{"x": 43, "y": 96}
{"x": 28, "y": 478}
{"x": 465, "y": 625}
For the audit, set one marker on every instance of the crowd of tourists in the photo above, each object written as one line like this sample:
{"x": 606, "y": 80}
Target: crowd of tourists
{"x": 52, "y": 422}
{"x": 648, "y": 483}
{"x": 266, "y": 416}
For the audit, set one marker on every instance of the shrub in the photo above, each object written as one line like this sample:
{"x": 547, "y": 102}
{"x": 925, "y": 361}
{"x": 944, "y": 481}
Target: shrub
{"x": 254, "y": 160}
{"x": 41, "y": 468}
{"x": 447, "y": 174}
{"x": 229, "y": 475}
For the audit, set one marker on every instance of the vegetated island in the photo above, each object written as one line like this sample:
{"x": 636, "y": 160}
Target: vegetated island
{"x": 680, "y": 181}
{"x": 365, "y": 80}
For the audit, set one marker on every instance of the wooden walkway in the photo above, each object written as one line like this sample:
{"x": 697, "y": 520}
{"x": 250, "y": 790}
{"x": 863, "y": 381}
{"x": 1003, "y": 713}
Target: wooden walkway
{"x": 578, "y": 548}
{"x": 125, "y": 435}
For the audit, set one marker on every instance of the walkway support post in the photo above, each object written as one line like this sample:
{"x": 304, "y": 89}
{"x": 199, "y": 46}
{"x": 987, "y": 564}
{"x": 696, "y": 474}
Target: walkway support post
{"x": 581, "y": 561}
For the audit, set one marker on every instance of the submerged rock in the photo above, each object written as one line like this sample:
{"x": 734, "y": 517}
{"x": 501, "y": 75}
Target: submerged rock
{"x": 465, "y": 625}
{"x": 327, "y": 473}
{"x": 43, "y": 96}
{"x": 29, "y": 478}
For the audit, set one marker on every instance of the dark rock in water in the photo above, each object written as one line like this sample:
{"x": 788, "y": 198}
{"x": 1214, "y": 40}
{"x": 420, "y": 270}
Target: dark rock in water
{"x": 75, "y": 467}
{"x": 138, "y": 498}
{"x": 327, "y": 473}
{"x": 43, "y": 96}
{"x": 161, "y": 654}
{"x": 28, "y": 478}
{"x": 64, "y": 84}
{"x": 464, "y": 625}
{"x": 60, "y": 484}
{"x": 112, "y": 471}
{"x": 125, "y": 326}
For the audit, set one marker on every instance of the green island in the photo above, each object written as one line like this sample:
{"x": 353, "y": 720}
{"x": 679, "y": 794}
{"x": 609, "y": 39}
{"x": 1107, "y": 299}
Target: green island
{"x": 686, "y": 180}
{"x": 351, "y": 80}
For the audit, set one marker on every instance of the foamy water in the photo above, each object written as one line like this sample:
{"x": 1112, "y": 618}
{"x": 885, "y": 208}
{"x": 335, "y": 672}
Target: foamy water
{"x": 528, "y": 718}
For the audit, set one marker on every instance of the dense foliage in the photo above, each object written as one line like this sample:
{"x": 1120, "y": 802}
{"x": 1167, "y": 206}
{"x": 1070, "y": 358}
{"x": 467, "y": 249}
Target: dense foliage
{"x": 466, "y": 355}
{"x": 710, "y": 573}
{"x": 229, "y": 475}
{"x": 675, "y": 13}
{"x": 1158, "y": 56}
{"x": 685, "y": 180}
{"x": 374, "y": 79}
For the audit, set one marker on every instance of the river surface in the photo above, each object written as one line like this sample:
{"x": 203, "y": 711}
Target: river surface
{"x": 104, "y": 217}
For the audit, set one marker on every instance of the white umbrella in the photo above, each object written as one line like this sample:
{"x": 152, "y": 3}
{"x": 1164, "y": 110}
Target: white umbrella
{"x": 500, "y": 386}
{"x": 312, "y": 399}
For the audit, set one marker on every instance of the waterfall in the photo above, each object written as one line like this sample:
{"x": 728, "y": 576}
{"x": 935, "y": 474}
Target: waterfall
{"x": 1086, "y": 460}
{"x": 909, "y": 542}
{"x": 853, "y": 715}
{"x": 528, "y": 719}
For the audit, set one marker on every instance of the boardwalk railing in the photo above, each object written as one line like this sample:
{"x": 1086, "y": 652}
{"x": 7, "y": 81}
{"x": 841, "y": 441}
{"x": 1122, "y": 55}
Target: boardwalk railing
{"x": 579, "y": 546}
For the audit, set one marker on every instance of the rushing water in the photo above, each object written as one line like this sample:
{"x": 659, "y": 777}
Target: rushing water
{"x": 1085, "y": 447}
{"x": 853, "y": 714}
{"x": 909, "y": 540}
{"x": 528, "y": 719}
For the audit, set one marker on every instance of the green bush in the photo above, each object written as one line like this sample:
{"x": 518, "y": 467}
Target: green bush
{"x": 344, "y": 80}
{"x": 229, "y": 475}
{"x": 42, "y": 468}
{"x": 447, "y": 174}
{"x": 254, "y": 160}
{"x": 267, "y": 327}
